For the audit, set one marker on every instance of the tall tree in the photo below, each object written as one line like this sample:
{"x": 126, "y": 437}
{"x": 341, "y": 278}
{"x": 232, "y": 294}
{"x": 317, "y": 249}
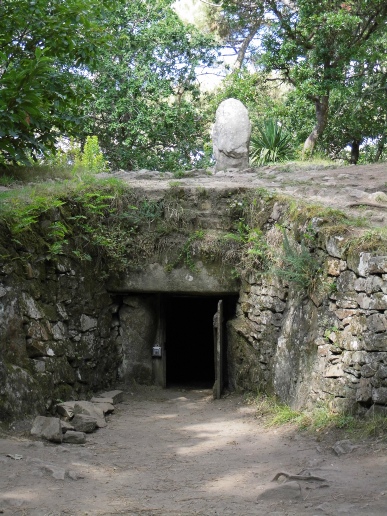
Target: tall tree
{"x": 311, "y": 43}
{"x": 47, "y": 47}
{"x": 144, "y": 107}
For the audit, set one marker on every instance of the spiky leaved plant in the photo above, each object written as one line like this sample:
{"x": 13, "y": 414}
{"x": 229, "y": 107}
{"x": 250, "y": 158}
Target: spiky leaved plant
{"x": 271, "y": 144}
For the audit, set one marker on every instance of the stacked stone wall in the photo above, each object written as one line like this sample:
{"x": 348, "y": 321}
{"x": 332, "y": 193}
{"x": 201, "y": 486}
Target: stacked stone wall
{"x": 308, "y": 349}
{"x": 59, "y": 337}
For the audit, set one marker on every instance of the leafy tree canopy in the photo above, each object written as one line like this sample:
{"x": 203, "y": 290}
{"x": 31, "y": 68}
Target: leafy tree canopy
{"x": 310, "y": 43}
{"x": 47, "y": 47}
{"x": 145, "y": 104}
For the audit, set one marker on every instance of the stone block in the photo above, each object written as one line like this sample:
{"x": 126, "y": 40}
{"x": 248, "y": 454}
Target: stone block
{"x": 116, "y": 396}
{"x": 376, "y": 301}
{"x": 106, "y": 404}
{"x": 346, "y": 300}
{"x": 84, "y": 423}
{"x": 334, "y": 371}
{"x": 382, "y": 371}
{"x": 335, "y": 266}
{"x": 367, "y": 371}
{"x": 88, "y": 323}
{"x": 376, "y": 410}
{"x": 364, "y": 391}
{"x": 377, "y": 323}
{"x": 48, "y": 428}
{"x": 379, "y": 396}
{"x": 365, "y": 264}
{"x": 375, "y": 341}
{"x": 90, "y": 409}
{"x": 334, "y": 246}
{"x": 369, "y": 285}
{"x": 66, "y": 409}
{"x": 356, "y": 324}
{"x": 346, "y": 281}
{"x": 74, "y": 438}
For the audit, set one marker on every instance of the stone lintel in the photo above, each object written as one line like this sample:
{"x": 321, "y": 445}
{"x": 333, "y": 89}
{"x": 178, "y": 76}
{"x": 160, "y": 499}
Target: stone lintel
{"x": 155, "y": 278}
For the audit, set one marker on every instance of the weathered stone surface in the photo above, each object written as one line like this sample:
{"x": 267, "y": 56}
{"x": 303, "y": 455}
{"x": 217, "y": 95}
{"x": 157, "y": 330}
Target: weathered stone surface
{"x": 377, "y": 323}
{"x": 335, "y": 266}
{"x": 66, "y": 409}
{"x": 231, "y": 136}
{"x": 84, "y": 423}
{"x": 379, "y": 395}
{"x": 364, "y": 391}
{"x": 346, "y": 281}
{"x": 346, "y": 300}
{"x": 90, "y": 409}
{"x": 97, "y": 399}
{"x": 377, "y": 301}
{"x": 369, "y": 285}
{"x": 74, "y": 438}
{"x": 334, "y": 246}
{"x": 88, "y": 323}
{"x": 334, "y": 371}
{"x": 365, "y": 264}
{"x": 116, "y": 396}
{"x": 48, "y": 428}
{"x": 66, "y": 426}
{"x": 376, "y": 410}
{"x": 105, "y": 404}
{"x": 375, "y": 342}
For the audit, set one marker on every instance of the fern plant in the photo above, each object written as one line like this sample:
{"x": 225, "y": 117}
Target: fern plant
{"x": 271, "y": 144}
{"x": 299, "y": 265}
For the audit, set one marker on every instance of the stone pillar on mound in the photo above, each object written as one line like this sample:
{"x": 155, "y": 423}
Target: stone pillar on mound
{"x": 231, "y": 136}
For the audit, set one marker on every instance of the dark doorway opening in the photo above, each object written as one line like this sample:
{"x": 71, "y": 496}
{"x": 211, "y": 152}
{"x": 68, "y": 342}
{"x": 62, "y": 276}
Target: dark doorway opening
{"x": 190, "y": 340}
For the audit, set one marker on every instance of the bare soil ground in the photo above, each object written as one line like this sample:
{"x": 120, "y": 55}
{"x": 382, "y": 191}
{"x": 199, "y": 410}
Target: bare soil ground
{"x": 179, "y": 452}
{"x": 358, "y": 190}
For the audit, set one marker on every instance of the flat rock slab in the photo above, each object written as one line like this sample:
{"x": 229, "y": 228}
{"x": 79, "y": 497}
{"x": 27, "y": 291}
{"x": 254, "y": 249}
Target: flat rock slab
{"x": 102, "y": 400}
{"x": 84, "y": 423}
{"x": 107, "y": 408}
{"x": 90, "y": 409}
{"x": 116, "y": 396}
{"x": 49, "y": 428}
{"x": 74, "y": 438}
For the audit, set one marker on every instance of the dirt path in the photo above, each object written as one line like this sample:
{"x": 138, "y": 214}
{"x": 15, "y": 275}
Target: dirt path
{"x": 173, "y": 452}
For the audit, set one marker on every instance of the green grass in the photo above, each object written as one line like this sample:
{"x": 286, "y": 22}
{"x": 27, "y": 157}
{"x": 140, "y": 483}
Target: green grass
{"x": 36, "y": 173}
{"x": 321, "y": 418}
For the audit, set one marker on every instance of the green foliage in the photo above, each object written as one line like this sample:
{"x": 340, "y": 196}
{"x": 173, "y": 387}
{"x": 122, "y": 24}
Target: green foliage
{"x": 91, "y": 159}
{"x": 271, "y": 144}
{"x": 145, "y": 107}
{"x": 186, "y": 252}
{"x": 45, "y": 50}
{"x": 299, "y": 266}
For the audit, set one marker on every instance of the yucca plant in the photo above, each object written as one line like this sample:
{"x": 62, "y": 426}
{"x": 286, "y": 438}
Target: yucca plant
{"x": 270, "y": 144}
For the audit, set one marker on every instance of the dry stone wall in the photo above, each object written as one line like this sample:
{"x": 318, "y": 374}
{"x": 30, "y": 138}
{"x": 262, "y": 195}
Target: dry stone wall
{"x": 308, "y": 349}
{"x": 63, "y": 334}
{"x": 58, "y": 337}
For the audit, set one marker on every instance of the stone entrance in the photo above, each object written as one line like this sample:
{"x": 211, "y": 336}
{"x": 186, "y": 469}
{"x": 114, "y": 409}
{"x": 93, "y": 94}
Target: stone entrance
{"x": 180, "y": 328}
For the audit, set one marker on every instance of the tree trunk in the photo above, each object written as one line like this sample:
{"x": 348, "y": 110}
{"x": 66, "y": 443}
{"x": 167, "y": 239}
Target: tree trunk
{"x": 381, "y": 144}
{"x": 322, "y": 106}
{"x": 355, "y": 150}
{"x": 245, "y": 44}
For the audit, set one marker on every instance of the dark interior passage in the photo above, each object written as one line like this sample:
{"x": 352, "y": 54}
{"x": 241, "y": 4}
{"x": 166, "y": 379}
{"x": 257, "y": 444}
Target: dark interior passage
{"x": 189, "y": 341}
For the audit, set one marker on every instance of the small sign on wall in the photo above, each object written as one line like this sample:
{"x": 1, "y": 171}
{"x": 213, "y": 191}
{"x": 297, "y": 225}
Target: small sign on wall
{"x": 156, "y": 351}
